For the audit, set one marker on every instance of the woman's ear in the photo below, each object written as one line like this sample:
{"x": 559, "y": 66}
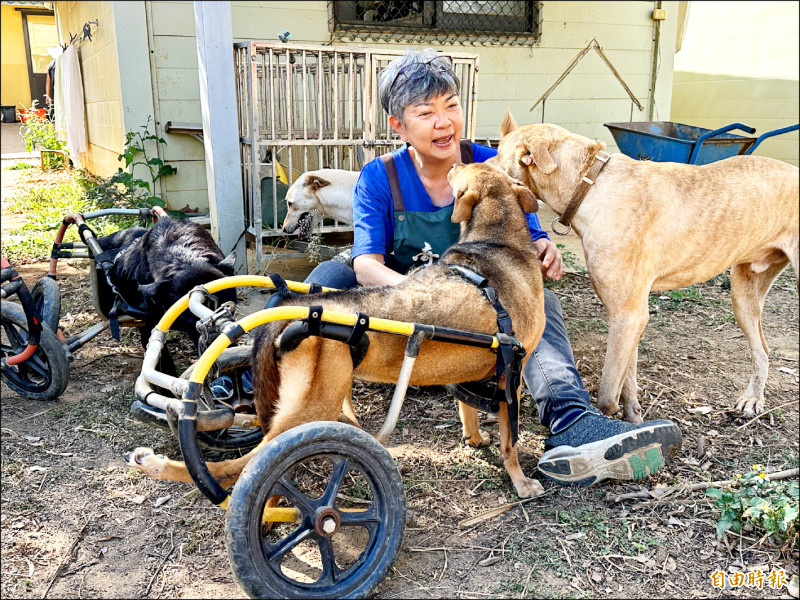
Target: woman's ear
{"x": 398, "y": 127}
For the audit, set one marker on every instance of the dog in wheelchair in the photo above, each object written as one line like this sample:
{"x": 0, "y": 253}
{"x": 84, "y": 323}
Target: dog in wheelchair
{"x": 153, "y": 268}
{"x": 309, "y": 382}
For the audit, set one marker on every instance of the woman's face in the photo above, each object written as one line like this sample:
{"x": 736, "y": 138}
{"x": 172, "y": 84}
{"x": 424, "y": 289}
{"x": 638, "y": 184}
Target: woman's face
{"x": 433, "y": 127}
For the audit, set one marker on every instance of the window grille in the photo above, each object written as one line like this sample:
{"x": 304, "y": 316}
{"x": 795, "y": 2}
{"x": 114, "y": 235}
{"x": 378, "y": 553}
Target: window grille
{"x": 487, "y": 22}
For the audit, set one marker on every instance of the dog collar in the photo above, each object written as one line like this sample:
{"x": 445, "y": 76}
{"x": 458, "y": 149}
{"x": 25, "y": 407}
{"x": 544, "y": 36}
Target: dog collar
{"x": 600, "y": 161}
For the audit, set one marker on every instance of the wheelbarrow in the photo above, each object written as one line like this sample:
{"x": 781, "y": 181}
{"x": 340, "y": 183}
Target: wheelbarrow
{"x": 339, "y": 521}
{"x": 665, "y": 141}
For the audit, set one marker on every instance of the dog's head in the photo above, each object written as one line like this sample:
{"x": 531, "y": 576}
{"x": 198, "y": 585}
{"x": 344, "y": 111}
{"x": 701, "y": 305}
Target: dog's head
{"x": 175, "y": 257}
{"x": 484, "y": 183}
{"x": 547, "y": 158}
{"x": 301, "y": 199}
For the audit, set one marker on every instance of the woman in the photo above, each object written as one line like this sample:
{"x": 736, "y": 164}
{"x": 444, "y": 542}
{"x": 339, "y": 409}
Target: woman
{"x": 401, "y": 212}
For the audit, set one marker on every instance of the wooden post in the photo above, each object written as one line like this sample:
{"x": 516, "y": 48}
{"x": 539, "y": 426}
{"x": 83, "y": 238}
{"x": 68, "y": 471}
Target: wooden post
{"x": 220, "y": 127}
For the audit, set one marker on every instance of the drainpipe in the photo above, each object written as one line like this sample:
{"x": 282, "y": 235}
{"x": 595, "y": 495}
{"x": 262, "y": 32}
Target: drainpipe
{"x": 654, "y": 67}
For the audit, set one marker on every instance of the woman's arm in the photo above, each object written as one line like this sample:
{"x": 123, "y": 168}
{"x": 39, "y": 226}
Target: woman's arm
{"x": 370, "y": 270}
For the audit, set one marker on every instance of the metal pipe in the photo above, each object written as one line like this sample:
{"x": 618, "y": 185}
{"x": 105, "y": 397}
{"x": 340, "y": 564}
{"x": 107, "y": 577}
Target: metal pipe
{"x": 411, "y": 353}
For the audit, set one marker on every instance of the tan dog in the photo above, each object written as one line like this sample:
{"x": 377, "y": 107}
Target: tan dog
{"x": 329, "y": 192}
{"x": 649, "y": 226}
{"x": 310, "y": 382}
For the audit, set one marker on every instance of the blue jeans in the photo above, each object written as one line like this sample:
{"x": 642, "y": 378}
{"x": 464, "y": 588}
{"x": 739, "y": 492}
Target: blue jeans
{"x": 550, "y": 373}
{"x": 333, "y": 274}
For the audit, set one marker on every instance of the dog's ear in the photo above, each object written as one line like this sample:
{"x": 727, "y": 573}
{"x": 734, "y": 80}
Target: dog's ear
{"x": 151, "y": 290}
{"x": 508, "y": 124}
{"x": 228, "y": 264}
{"x": 462, "y": 209}
{"x": 317, "y": 182}
{"x": 525, "y": 196}
{"x": 536, "y": 152}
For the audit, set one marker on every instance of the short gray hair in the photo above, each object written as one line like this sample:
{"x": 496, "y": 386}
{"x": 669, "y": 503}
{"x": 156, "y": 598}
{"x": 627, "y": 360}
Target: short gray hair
{"x": 405, "y": 91}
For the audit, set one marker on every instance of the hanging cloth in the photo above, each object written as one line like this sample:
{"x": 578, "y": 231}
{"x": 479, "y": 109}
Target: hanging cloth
{"x": 72, "y": 91}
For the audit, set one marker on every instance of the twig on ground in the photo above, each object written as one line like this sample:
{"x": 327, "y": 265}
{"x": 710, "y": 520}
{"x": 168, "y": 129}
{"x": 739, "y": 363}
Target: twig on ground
{"x": 66, "y": 557}
{"x": 647, "y": 495}
{"x": 764, "y": 414}
{"x": 161, "y": 564}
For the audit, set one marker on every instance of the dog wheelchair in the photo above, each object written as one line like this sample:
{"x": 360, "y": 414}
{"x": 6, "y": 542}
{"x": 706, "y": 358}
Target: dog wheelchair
{"x": 43, "y": 373}
{"x": 341, "y": 511}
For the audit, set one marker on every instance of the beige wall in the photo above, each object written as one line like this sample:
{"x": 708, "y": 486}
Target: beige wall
{"x": 14, "y": 66}
{"x": 510, "y": 77}
{"x": 101, "y": 80}
{"x": 739, "y": 63}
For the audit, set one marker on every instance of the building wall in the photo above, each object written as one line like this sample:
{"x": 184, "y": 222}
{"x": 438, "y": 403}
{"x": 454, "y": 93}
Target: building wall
{"x": 14, "y": 85}
{"x": 742, "y": 66}
{"x": 101, "y": 80}
{"x": 510, "y": 77}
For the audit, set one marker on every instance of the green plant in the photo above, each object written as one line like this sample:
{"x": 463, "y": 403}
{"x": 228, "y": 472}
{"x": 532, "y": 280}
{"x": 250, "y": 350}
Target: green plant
{"x": 123, "y": 189}
{"x": 771, "y": 506}
{"x": 20, "y": 166}
{"x": 39, "y": 132}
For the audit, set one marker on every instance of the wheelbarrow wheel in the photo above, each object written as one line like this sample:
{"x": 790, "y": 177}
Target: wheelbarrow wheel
{"x": 232, "y": 362}
{"x": 346, "y": 512}
{"x": 47, "y": 298}
{"x": 43, "y": 376}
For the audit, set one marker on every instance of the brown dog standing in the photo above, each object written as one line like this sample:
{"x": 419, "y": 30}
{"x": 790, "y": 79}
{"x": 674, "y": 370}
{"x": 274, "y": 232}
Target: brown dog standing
{"x": 310, "y": 382}
{"x": 649, "y": 226}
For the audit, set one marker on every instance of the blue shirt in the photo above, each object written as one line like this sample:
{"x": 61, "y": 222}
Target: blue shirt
{"x": 373, "y": 211}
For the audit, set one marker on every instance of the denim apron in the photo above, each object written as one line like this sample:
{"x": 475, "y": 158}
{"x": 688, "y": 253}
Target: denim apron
{"x": 420, "y": 237}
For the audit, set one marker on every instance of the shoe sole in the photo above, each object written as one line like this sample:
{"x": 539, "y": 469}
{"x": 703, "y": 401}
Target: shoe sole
{"x": 627, "y": 456}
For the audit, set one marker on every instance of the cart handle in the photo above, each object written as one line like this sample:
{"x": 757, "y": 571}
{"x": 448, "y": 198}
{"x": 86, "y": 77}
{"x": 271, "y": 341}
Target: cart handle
{"x": 705, "y": 136}
{"x": 764, "y": 136}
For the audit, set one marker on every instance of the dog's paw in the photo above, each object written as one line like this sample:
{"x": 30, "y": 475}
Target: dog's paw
{"x": 608, "y": 407}
{"x": 528, "y": 488}
{"x": 632, "y": 412}
{"x": 750, "y": 405}
{"x": 147, "y": 461}
{"x": 481, "y": 440}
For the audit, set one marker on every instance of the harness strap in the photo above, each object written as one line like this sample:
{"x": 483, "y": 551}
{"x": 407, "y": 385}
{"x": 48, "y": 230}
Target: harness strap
{"x": 394, "y": 180}
{"x": 314, "y": 320}
{"x": 510, "y": 352}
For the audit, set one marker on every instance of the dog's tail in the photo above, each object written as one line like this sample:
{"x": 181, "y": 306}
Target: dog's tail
{"x": 266, "y": 375}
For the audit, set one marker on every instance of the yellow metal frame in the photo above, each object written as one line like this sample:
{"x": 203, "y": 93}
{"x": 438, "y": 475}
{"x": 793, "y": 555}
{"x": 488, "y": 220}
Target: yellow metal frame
{"x": 209, "y": 357}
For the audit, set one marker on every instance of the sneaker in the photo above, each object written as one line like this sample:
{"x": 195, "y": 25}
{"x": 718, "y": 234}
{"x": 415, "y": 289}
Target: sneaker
{"x": 222, "y": 387}
{"x": 596, "y": 447}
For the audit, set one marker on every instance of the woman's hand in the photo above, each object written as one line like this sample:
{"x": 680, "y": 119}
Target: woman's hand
{"x": 370, "y": 270}
{"x": 550, "y": 256}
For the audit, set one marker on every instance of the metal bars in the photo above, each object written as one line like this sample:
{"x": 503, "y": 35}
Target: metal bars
{"x": 304, "y": 108}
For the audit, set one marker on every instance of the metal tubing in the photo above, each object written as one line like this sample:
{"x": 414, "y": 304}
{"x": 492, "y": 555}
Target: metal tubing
{"x": 78, "y": 340}
{"x": 197, "y": 307}
{"x": 412, "y": 351}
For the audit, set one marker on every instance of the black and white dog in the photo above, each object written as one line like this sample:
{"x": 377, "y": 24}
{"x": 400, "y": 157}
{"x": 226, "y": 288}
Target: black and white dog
{"x": 156, "y": 267}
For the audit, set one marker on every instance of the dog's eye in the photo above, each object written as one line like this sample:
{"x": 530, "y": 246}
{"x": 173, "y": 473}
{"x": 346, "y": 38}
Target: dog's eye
{"x": 289, "y": 203}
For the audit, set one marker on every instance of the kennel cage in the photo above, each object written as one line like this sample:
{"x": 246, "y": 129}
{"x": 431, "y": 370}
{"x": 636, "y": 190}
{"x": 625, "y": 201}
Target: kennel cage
{"x": 304, "y": 107}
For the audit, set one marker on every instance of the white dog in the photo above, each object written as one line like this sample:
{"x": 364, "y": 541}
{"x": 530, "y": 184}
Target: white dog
{"x": 327, "y": 191}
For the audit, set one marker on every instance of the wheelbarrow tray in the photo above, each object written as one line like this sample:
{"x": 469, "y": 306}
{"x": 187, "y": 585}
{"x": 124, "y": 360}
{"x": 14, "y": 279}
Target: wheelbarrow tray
{"x": 665, "y": 141}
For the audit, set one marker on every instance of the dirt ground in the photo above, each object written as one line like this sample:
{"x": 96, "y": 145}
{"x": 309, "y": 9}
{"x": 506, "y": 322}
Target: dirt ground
{"x": 76, "y": 522}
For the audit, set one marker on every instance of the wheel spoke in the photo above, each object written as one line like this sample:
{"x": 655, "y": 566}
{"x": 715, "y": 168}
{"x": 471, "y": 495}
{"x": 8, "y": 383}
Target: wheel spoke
{"x": 330, "y": 571}
{"x": 295, "y": 496}
{"x": 368, "y": 519}
{"x": 276, "y": 552}
{"x": 36, "y": 364}
{"x": 337, "y": 474}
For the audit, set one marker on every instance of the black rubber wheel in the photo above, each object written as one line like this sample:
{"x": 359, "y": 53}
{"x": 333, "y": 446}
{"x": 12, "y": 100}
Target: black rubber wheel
{"x": 321, "y": 469}
{"x": 45, "y": 375}
{"x": 233, "y": 362}
{"x": 47, "y": 298}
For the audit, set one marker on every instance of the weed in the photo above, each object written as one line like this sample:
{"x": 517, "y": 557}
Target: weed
{"x": 758, "y": 503}
{"x": 21, "y": 166}
{"x": 570, "y": 259}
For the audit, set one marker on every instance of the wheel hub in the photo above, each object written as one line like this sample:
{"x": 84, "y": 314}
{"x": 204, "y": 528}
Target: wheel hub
{"x": 327, "y": 522}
